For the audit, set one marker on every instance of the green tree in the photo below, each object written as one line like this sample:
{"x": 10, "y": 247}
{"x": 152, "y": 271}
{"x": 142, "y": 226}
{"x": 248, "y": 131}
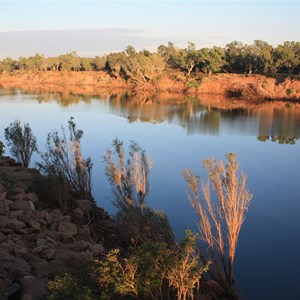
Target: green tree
{"x": 187, "y": 59}
{"x": 8, "y": 64}
{"x": 288, "y": 55}
{"x": 21, "y": 141}
{"x": 69, "y": 62}
{"x": 142, "y": 67}
{"x": 211, "y": 60}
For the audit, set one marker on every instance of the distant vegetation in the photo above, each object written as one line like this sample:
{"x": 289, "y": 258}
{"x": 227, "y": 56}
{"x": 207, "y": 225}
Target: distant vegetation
{"x": 145, "y": 66}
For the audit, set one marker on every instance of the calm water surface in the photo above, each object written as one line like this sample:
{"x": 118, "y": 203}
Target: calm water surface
{"x": 181, "y": 135}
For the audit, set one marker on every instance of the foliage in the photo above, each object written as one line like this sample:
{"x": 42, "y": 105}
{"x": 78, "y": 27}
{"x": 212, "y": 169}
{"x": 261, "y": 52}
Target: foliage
{"x": 187, "y": 59}
{"x": 186, "y": 270}
{"x": 55, "y": 190}
{"x": 130, "y": 181}
{"x": 146, "y": 67}
{"x": 220, "y": 219}
{"x": 63, "y": 161}
{"x": 21, "y": 141}
{"x": 153, "y": 271}
{"x": 116, "y": 278}
{"x": 68, "y": 286}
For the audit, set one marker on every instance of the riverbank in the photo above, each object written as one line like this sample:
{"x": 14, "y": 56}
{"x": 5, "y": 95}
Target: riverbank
{"x": 40, "y": 243}
{"x": 253, "y": 88}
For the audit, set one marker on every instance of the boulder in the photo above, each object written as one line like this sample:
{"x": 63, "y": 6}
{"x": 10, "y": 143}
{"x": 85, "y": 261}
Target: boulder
{"x": 44, "y": 269}
{"x": 70, "y": 258}
{"x": 32, "y": 288}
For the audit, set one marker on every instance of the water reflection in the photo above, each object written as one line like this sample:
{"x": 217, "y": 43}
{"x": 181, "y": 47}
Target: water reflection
{"x": 277, "y": 121}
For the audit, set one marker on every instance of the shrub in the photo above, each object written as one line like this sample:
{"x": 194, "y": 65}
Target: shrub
{"x": 220, "y": 219}
{"x": 21, "y": 141}
{"x": 68, "y": 286}
{"x": 130, "y": 181}
{"x": 63, "y": 161}
{"x": 153, "y": 271}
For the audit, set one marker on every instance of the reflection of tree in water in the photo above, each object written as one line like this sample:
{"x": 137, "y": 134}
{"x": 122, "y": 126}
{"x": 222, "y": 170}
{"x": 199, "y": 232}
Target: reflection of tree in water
{"x": 279, "y": 124}
{"x": 273, "y": 121}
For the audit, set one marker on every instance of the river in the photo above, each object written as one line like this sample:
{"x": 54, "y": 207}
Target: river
{"x": 179, "y": 134}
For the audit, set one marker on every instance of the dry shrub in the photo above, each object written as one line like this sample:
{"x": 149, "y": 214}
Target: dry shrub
{"x": 63, "y": 159}
{"x": 220, "y": 218}
{"x": 130, "y": 181}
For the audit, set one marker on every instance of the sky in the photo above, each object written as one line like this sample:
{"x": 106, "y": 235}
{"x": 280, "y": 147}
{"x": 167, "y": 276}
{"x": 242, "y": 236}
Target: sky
{"x": 99, "y": 27}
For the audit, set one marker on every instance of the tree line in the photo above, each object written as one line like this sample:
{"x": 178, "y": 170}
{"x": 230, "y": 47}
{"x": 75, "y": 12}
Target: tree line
{"x": 145, "y": 66}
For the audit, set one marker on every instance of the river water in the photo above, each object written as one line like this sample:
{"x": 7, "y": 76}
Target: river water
{"x": 179, "y": 134}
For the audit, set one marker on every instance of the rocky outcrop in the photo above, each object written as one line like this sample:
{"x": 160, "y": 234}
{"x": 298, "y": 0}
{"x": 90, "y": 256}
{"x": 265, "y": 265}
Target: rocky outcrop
{"x": 37, "y": 242}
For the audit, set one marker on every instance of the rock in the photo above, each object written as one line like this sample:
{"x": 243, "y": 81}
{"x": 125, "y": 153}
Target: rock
{"x": 16, "y": 214}
{"x": 4, "y": 221}
{"x": 49, "y": 254}
{"x": 97, "y": 248}
{"x": 34, "y": 224}
{"x": 67, "y": 228}
{"x": 13, "y": 290}
{"x": 2, "y": 196}
{"x": 32, "y": 288}
{"x": 4, "y": 208}
{"x": 43, "y": 269}
{"x": 85, "y": 205}
{"x": 51, "y": 240}
{"x": 78, "y": 215}
{"x": 22, "y": 265}
{"x": 2, "y": 237}
{"x": 66, "y": 238}
{"x": 48, "y": 217}
{"x": 18, "y": 190}
{"x": 23, "y": 253}
{"x": 84, "y": 232}
{"x": 40, "y": 242}
{"x": 20, "y": 205}
{"x": 16, "y": 225}
{"x": 79, "y": 246}
{"x": 39, "y": 249}
{"x": 56, "y": 215}
{"x": 33, "y": 197}
{"x": 19, "y": 196}
{"x": 70, "y": 258}
{"x": 5, "y": 256}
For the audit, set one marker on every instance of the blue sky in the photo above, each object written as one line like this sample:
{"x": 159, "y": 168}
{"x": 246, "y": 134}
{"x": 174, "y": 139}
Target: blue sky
{"x": 98, "y": 27}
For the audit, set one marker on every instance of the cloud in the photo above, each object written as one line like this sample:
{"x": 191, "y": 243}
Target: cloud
{"x": 93, "y": 41}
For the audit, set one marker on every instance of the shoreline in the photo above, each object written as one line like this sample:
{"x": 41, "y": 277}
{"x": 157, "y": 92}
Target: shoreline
{"x": 251, "y": 89}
